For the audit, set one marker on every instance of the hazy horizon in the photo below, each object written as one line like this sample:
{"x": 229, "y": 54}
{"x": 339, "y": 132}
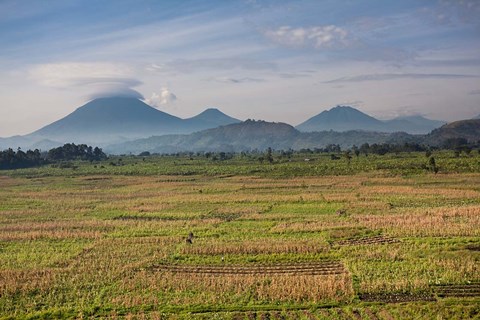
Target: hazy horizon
{"x": 282, "y": 61}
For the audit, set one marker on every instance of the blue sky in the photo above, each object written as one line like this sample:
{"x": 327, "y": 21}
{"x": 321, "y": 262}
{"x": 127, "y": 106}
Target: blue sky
{"x": 273, "y": 60}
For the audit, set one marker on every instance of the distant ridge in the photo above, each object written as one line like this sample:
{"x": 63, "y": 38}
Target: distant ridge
{"x": 345, "y": 118}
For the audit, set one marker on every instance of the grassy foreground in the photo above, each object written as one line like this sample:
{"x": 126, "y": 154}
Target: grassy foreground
{"x": 377, "y": 237}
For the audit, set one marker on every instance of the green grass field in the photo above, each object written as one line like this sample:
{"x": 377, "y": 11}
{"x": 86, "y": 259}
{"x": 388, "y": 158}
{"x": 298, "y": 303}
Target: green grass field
{"x": 377, "y": 237}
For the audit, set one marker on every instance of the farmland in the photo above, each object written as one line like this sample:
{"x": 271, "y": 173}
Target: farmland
{"x": 377, "y": 237}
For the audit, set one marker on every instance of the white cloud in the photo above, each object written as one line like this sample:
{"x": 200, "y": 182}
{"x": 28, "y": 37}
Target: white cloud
{"x": 164, "y": 97}
{"x": 319, "y": 37}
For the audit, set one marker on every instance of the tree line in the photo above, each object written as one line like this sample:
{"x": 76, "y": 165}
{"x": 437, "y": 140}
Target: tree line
{"x": 10, "y": 159}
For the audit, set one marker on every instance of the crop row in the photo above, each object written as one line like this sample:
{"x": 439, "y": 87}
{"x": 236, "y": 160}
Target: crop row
{"x": 458, "y": 290}
{"x": 318, "y": 268}
{"x": 396, "y": 297}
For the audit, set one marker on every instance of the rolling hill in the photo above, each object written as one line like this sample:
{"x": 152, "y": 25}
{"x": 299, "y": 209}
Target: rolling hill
{"x": 464, "y": 129}
{"x": 251, "y": 135}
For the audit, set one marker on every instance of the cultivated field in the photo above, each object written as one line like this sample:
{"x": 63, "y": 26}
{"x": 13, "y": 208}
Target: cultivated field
{"x": 377, "y": 237}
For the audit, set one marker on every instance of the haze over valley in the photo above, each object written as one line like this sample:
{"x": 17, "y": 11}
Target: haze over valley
{"x": 128, "y": 125}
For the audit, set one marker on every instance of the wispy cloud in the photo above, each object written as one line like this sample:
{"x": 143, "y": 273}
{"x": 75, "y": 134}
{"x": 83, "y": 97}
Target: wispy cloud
{"x": 318, "y": 37}
{"x": 193, "y": 65}
{"x": 99, "y": 78}
{"x": 393, "y": 76}
{"x": 293, "y": 75}
{"x": 474, "y": 92}
{"x": 462, "y": 62}
{"x": 454, "y": 12}
{"x": 236, "y": 80}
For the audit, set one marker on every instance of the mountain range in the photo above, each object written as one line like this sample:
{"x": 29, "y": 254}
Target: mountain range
{"x": 344, "y": 118}
{"x": 123, "y": 125}
{"x": 110, "y": 120}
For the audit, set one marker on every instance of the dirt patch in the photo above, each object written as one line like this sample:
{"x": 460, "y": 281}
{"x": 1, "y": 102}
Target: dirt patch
{"x": 473, "y": 247}
{"x": 370, "y": 314}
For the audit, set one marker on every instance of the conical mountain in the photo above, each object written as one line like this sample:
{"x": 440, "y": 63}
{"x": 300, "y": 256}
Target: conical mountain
{"x": 109, "y": 119}
{"x": 210, "y": 118}
{"x": 341, "y": 118}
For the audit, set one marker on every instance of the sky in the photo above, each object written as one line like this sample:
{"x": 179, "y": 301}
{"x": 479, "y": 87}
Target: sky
{"x": 282, "y": 61}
